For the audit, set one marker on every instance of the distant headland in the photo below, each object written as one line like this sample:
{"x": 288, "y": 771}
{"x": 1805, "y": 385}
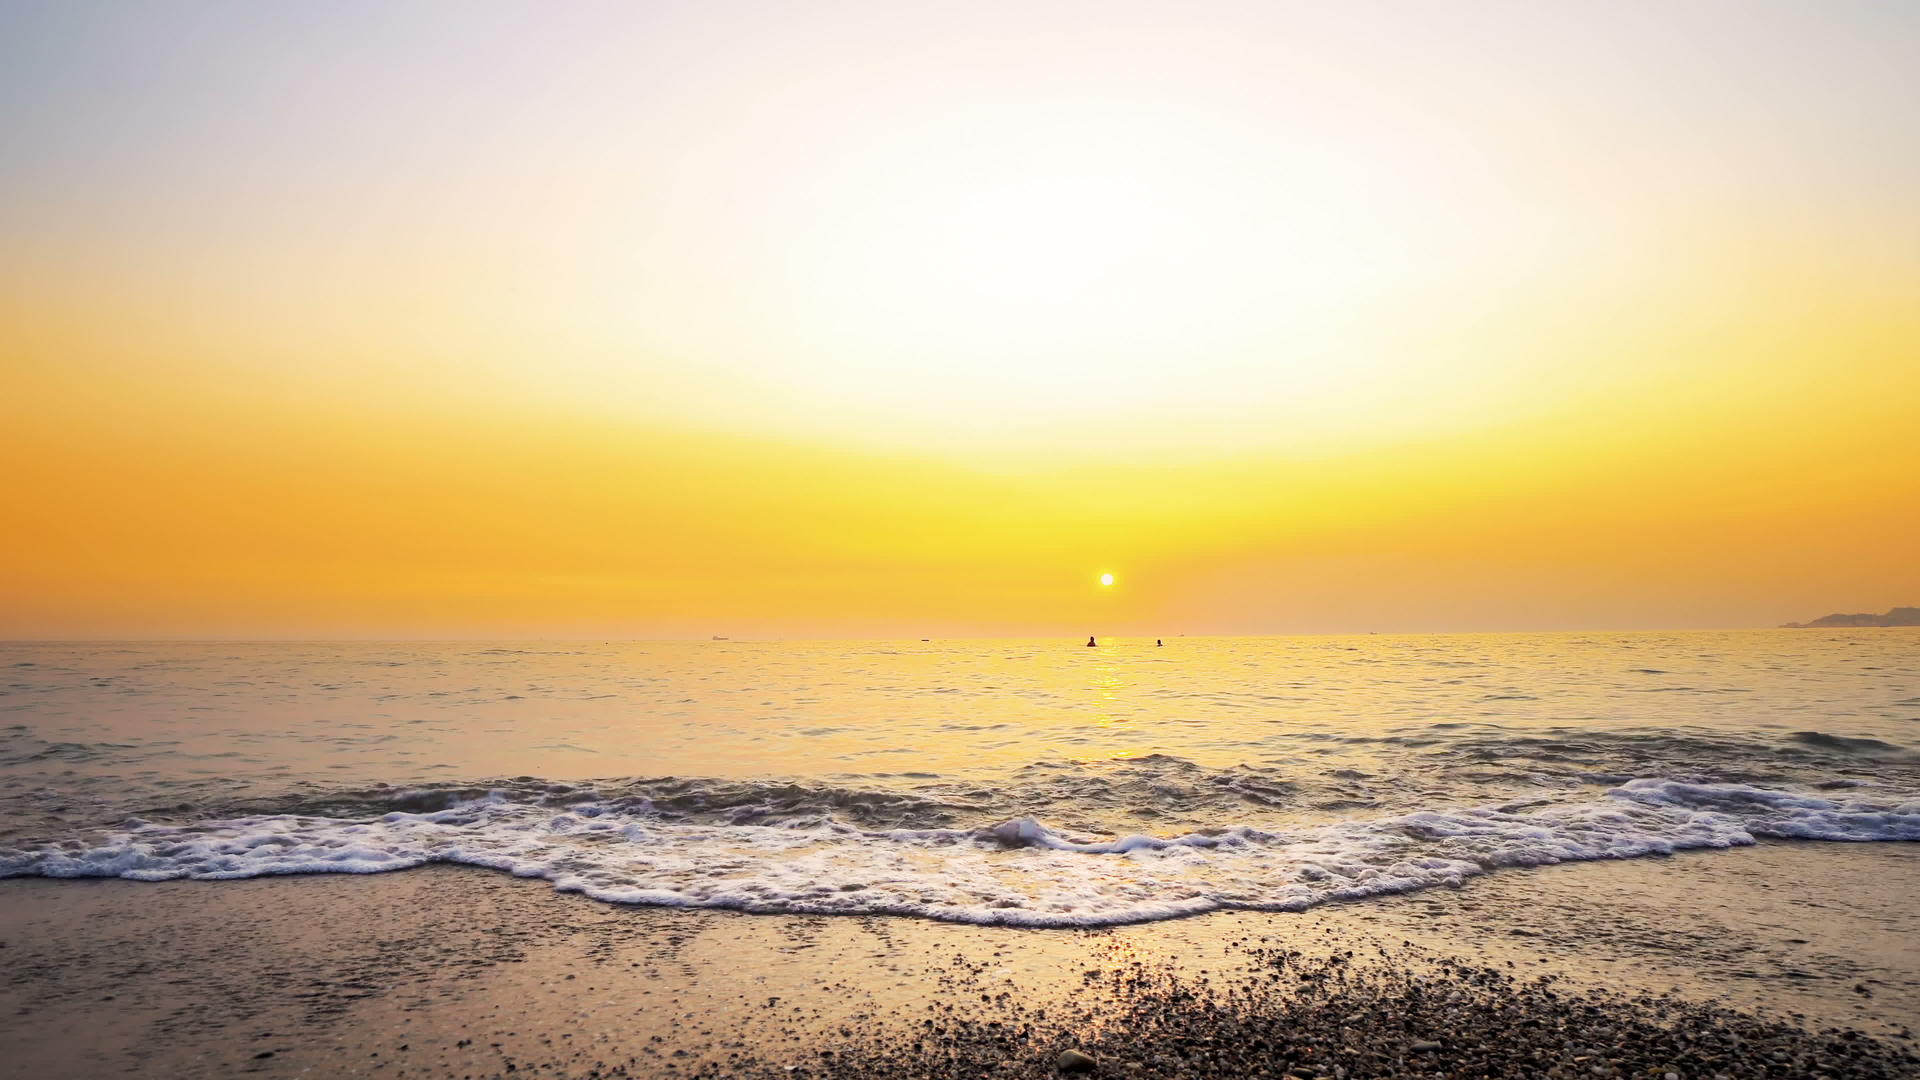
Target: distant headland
{"x": 1900, "y": 616}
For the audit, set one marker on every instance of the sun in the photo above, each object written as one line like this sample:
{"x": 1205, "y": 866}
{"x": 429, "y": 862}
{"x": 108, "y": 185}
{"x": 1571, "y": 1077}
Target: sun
{"x": 1106, "y": 579}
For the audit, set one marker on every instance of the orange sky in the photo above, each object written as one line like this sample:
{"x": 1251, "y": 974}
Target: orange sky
{"x": 908, "y": 320}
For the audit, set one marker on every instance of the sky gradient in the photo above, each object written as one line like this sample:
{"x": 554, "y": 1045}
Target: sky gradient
{"x": 474, "y": 320}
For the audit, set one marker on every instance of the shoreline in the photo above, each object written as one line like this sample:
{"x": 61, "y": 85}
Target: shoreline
{"x": 455, "y": 971}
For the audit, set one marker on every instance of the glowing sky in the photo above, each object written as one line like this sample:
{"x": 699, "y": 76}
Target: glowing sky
{"x": 373, "y": 319}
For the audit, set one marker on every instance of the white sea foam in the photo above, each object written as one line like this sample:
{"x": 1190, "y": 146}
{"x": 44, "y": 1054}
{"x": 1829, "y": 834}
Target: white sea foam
{"x": 1020, "y": 872}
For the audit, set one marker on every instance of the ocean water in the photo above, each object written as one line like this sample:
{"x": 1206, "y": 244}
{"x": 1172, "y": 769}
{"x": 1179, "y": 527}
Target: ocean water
{"x": 1037, "y": 783}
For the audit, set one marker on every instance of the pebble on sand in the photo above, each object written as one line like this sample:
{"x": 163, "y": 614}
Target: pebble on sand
{"x": 1074, "y": 1061}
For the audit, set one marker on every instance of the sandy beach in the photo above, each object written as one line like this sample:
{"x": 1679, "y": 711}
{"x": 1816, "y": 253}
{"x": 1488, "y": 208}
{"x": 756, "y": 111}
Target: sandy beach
{"x": 453, "y": 971}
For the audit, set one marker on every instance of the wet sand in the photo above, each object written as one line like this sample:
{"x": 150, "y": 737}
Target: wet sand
{"x": 453, "y": 971}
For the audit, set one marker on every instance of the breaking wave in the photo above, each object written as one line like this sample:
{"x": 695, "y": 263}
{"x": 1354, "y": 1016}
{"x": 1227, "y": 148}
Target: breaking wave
{"x": 764, "y": 847}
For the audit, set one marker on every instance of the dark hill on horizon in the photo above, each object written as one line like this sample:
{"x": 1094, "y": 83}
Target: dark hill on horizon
{"x": 1900, "y": 616}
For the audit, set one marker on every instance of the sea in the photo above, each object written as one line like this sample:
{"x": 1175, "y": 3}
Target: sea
{"x": 1034, "y": 783}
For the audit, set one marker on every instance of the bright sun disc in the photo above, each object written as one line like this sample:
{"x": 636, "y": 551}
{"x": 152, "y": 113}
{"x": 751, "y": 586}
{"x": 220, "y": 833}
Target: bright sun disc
{"x": 1106, "y": 579}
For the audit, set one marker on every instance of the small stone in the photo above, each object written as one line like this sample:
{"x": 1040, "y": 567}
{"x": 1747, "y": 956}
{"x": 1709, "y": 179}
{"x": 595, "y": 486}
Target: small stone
{"x": 1422, "y": 1047}
{"x": 1074, "y": 1061}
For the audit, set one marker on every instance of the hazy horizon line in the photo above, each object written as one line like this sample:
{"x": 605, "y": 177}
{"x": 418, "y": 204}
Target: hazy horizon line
{"x": 755, "y": 639}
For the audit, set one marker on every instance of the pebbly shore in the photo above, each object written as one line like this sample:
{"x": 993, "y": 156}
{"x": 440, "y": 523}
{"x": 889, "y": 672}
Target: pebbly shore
{"x": 1757, "y": 961}
{"x": 1397, "y": 1013}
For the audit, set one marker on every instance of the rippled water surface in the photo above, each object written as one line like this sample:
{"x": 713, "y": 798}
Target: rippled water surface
{"x": 868, "y": 776}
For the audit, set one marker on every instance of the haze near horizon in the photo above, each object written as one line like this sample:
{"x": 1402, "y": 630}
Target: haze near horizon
{"x": 913, "y": 320}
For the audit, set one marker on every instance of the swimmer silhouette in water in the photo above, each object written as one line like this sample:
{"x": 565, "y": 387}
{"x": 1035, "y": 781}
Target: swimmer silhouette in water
{"x": 1090, "y": 642}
